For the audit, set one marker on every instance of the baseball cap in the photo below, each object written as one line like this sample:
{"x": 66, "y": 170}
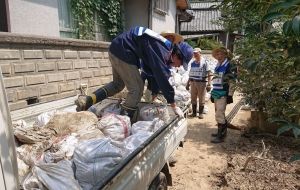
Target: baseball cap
{"x": 186, "y": 52}
{"x": 197, "y": 50}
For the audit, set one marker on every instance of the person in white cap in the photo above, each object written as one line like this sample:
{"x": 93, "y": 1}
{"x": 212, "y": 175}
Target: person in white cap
{"x": 200, "y": 82}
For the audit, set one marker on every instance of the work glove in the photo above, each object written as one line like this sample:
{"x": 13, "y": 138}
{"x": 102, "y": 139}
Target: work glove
{"x": 229, "y": 99}
{"x": 178, "y": 111}
{"x": 83, "y": 103}
{"x": 208, "y": 88}
{"x": 187, "y": 87}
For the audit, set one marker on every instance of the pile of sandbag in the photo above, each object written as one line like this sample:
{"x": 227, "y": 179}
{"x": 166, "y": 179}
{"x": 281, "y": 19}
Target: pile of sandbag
{"x": 51, "y": 139}
{"x": 76, "y": 150}
{"x": 179, "y": 78}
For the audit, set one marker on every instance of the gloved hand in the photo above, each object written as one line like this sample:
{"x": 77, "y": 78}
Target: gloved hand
{"x": 229, "y": 99}
{"x": 178, "y": 111}
{"x": 187, "y": 87}
{"x": 208, "y": 88}
{"x": 83, "y": 103}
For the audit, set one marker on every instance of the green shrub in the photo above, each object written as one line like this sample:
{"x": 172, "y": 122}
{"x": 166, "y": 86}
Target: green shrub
{"x": 208, "y": 44}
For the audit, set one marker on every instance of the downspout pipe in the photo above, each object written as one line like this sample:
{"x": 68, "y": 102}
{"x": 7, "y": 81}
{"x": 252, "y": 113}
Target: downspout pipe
{"x": 150, "y": 7}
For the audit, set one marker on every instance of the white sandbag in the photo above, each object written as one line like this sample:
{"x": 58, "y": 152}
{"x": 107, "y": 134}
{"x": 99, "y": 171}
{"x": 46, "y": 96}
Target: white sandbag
{"x": 181, "y": 88}
{"x": 181, "y": 70}
{"x": 93, "y": 160}
{"x": 149, "y": 112}
{"x": 132, "y": 142}
{"x": 172, "y": 81}
{"x": 56, "y": 176}
{"x": 67, "y": 146}
{"x": 44, "y": 118}
{"x": 117, "y": 127}
{"x": 148, "y": 126}
{"x": 182, "y": 95}
{"x": 141, "y": 126}
{"x": 185, "y": 79}
{"x": 177, "y": 79}
{"x": 31, "y": 182}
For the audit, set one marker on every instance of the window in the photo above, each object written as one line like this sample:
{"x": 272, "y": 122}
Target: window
{"x": 66, "y": 23}
{"x": 161, "y": 6}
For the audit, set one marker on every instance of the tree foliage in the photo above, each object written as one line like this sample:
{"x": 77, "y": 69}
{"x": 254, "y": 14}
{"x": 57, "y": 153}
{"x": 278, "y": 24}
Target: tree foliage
{"x": 268, "y": 55}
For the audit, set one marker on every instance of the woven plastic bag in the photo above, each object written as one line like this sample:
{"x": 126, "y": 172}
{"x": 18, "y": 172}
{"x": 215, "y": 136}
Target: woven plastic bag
{"x": 117, "y": 127}
{"x": 132, "y": 142}
{"x": 149, "y": 112}
{"x": 93, "y": 160}
{"x": 56, "y": 175}
{"x": 148, "y": 126}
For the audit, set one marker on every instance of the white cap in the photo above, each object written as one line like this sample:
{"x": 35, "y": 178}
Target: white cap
{"x": 197, "y": 50}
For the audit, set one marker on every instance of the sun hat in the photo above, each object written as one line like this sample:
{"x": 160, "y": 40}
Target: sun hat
{"x": 177, "y": 37}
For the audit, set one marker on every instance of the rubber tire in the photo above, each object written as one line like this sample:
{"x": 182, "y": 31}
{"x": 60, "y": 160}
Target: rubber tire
{"x": 159, "y": 182}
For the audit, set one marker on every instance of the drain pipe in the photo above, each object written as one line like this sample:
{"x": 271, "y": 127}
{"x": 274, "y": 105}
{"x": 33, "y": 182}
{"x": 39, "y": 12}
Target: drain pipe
{"x": 227, "y": 39}
{"x": 150, "y": 6}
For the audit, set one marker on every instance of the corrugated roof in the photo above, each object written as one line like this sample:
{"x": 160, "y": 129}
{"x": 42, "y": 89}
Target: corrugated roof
{"x": 203, "y": 22}
{"x": 204, "y": 5}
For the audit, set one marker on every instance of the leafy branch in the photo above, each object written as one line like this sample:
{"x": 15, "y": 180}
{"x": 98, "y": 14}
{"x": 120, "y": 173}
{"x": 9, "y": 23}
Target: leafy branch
{"x": 89, "y": 14}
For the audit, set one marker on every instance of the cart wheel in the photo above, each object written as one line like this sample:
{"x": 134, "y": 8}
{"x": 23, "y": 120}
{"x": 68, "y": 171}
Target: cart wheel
{"x": 159, "y": 182}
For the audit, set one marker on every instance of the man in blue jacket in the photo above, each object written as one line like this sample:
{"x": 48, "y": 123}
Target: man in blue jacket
{"x": 126, "y": 53}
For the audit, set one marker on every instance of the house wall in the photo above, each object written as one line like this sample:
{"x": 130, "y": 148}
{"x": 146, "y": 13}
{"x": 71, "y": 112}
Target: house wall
{"x": 50, "y": 68}
{"x": 162, "y": 22}
{"x": 37, "y": 17}
{"x": 136, "y": 13}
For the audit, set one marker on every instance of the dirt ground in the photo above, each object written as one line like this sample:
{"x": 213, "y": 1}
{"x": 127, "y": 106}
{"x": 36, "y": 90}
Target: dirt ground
{"x": 203, "y": 165}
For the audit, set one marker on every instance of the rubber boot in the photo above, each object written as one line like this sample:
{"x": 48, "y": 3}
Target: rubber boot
{"x": 219, "y": 128}
{"x": 201, "y": 108}
{"x": 100, "y": 94}
{"x": 194, "y": 109}
{"x": 130, "y": 112}
{"x": 85, "y": 102}
{"x": 222, "y": 132}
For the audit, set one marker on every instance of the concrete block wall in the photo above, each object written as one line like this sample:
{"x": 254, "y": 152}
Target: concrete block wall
{"x": 37, "y": 69}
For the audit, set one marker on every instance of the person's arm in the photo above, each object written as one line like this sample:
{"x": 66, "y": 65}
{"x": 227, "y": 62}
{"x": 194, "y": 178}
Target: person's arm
{"x": 155, "y": 55}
